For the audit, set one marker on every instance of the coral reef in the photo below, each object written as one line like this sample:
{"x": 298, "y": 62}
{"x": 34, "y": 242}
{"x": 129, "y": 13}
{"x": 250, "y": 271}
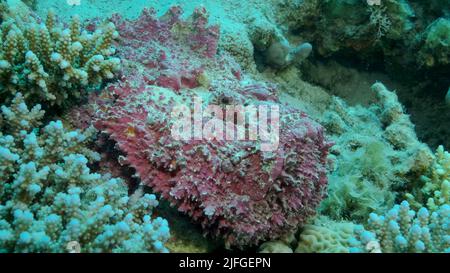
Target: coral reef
{"x": 434, "y": 187}
{"x": 53, "y": 63}
{"x": 50, "y": 201}
{"x": 358, "y": 25}
{"x": 346, "y": 152}
{"x": 232, "y": 188}
{"x": 395, "y": 36}
{"x": 405, "y": 230}
{"x": 435, "y": 48}
{"x": 376, "y": 154}
{"x": 422, "y": 226}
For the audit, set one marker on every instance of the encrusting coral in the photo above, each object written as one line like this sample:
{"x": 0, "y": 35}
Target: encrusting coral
{"x": 377, "y": 159}
{"x": 50, "y": 201}
{"x": 51, "y": 63}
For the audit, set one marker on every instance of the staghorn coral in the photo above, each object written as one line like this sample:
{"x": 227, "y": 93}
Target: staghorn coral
{"x": 232, "y": 188}
{"x": 50, "y": 201}
{"x": 49, "y": 62}
{"x": 402, "y": 229}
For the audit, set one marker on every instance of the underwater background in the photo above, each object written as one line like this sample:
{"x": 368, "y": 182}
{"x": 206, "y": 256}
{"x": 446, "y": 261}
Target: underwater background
{"x": 88, "y": 162}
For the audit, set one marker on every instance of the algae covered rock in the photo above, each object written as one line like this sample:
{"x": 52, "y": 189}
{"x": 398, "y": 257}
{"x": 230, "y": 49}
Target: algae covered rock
{"x": 377, "y": 153}
{"x": 436, "y": 44}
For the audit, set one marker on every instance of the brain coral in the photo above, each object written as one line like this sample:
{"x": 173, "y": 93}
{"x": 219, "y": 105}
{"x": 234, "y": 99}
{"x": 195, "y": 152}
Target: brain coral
{"x": 232, "y": 188}
{"x": 325, "y": 236}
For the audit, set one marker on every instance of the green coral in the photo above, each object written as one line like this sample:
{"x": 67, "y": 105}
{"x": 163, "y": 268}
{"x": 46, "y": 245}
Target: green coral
{"x": 50, "y": 63}
{"x": 50, "y": 201}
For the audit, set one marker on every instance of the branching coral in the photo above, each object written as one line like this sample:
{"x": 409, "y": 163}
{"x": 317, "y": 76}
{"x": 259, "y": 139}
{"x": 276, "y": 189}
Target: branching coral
{"x": 434, "y": 190}
{"x": 50, "y": 63}
{"x": 405, "y": 230}
{"x": 379, "y": 20}
{"x": 50, "y": 201}
{"x": 425, "y": 226}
